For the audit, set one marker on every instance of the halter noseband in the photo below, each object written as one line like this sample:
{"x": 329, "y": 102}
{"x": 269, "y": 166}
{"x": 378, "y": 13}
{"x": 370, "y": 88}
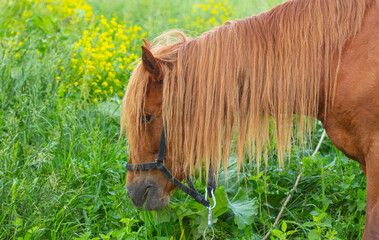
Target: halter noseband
{"x": 159, "y": 164}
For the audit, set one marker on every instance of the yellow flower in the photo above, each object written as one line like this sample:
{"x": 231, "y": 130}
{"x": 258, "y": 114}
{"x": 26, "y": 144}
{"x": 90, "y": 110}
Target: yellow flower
{"x": 117, "y": 82}
{"x": 111, "y": 74}
{"x": 214, "y": 12}
{"x": 106, "y": 50}
{"x": 59, "y": 60}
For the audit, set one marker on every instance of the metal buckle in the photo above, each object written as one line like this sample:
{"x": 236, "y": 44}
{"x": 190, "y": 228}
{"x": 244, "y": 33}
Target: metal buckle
{"x": 160, "y": 164}
{"x": 210, "y": 214}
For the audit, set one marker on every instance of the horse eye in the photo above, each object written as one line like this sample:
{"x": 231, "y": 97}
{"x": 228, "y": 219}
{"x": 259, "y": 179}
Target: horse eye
{"x": 147, "y": 118}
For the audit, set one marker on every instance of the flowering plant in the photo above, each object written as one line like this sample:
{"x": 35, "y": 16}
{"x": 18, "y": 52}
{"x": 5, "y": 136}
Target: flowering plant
{"x": 102, "y": 57}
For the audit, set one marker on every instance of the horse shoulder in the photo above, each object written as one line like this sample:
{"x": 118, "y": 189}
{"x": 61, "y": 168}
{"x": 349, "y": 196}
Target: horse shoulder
{"x": 354, "y": 120}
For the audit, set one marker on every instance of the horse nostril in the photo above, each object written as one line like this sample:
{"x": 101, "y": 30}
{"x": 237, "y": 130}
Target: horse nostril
{"x": 146, "y": 192}
{"x": 138, "y": 193}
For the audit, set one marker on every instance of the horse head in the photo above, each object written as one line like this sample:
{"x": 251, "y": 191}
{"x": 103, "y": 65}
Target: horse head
{"x": 142, "y": 116}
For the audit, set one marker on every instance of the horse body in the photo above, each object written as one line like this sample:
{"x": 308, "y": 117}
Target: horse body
{"x": 240, "y": 74}
{"x": 353, "y": 123}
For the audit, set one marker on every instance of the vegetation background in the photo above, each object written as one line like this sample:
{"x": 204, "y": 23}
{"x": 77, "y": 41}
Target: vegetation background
{"x": 64, "y": 66}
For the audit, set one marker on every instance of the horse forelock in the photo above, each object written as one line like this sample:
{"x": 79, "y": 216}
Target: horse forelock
{"x": 233, "y": 82}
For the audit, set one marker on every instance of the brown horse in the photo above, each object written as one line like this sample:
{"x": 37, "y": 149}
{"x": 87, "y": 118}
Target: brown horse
{"x": 311, "y": 58}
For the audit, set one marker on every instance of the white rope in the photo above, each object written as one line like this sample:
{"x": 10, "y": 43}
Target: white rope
{"x": 294, "y": 187}
{"x": 319, "y": 143}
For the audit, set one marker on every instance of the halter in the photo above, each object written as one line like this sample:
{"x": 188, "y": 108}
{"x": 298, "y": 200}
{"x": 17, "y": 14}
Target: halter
{"x": 159, "y": 164}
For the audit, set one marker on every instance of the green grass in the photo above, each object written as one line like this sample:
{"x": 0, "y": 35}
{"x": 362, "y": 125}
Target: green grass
{"x": 62, "y": 172}
{"x": 154, "y": 15}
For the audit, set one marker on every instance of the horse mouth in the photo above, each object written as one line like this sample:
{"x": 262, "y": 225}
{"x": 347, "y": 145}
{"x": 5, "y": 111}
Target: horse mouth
{"x": 151, "y": 198}
{"x": 138, "y": 202}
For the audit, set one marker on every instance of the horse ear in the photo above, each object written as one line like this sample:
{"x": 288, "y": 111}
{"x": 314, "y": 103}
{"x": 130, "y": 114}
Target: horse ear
{"x": 147, "y": 44}
{"x": 151, "y": 64}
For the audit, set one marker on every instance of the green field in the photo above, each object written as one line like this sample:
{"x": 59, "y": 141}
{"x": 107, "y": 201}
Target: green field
{"x": 64, "y": 66}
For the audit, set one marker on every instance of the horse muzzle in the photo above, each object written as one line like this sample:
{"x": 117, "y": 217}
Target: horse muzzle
{"x": 147, "y": 194}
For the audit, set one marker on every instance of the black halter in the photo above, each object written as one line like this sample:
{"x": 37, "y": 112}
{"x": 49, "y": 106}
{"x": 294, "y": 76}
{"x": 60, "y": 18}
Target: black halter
{"x": 159, "y": 164}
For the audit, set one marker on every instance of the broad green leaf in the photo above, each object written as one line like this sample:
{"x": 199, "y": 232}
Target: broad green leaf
{"x": 18, "y": 222}
{"x": 276, "y": 233}
{"x": 291, "y": 232}
{"x": 243, "y": 208}
{"x": 221, "y": 202}
{"x": 284, "y": 226}
{"x": 309, "y": 224}
{"x": 119, "y": 233}
{"x": 314, "y": 235}
{"x": 314, "y": 213}
{"x": 28, "y": 235}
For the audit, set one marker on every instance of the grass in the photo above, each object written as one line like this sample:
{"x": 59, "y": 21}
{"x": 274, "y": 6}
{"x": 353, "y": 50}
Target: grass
{"x": 155, "y": 14}
{"x": 62, "y": 172}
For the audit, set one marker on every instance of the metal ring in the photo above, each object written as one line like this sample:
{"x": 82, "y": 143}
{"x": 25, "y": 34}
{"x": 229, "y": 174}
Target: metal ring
{"x": 205, "y": 231}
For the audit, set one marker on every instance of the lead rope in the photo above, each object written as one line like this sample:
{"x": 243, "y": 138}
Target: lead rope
{"x": 294, "y": 187}
{"x": 210, "y": 227}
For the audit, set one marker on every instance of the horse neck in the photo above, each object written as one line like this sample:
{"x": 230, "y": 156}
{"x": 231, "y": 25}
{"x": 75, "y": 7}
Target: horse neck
{"x": 278, "y": 63}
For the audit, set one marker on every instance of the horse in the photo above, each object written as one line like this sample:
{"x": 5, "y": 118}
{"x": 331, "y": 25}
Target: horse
{"x": 313, "y": 59}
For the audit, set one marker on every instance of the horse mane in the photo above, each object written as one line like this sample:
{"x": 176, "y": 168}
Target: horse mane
{"x": 234, "y": 81}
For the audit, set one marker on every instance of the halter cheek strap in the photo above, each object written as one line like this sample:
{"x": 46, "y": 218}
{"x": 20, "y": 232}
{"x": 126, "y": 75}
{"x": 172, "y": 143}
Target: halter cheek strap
{"x": 159, "y": 164}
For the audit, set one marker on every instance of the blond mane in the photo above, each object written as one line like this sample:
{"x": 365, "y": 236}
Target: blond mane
{"x": 227, "y": 84}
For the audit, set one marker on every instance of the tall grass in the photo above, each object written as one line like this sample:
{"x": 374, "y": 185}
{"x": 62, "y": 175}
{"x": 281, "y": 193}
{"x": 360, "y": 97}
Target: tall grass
{"x": 155, "y": 15}
{"x": 62, "y": 172}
